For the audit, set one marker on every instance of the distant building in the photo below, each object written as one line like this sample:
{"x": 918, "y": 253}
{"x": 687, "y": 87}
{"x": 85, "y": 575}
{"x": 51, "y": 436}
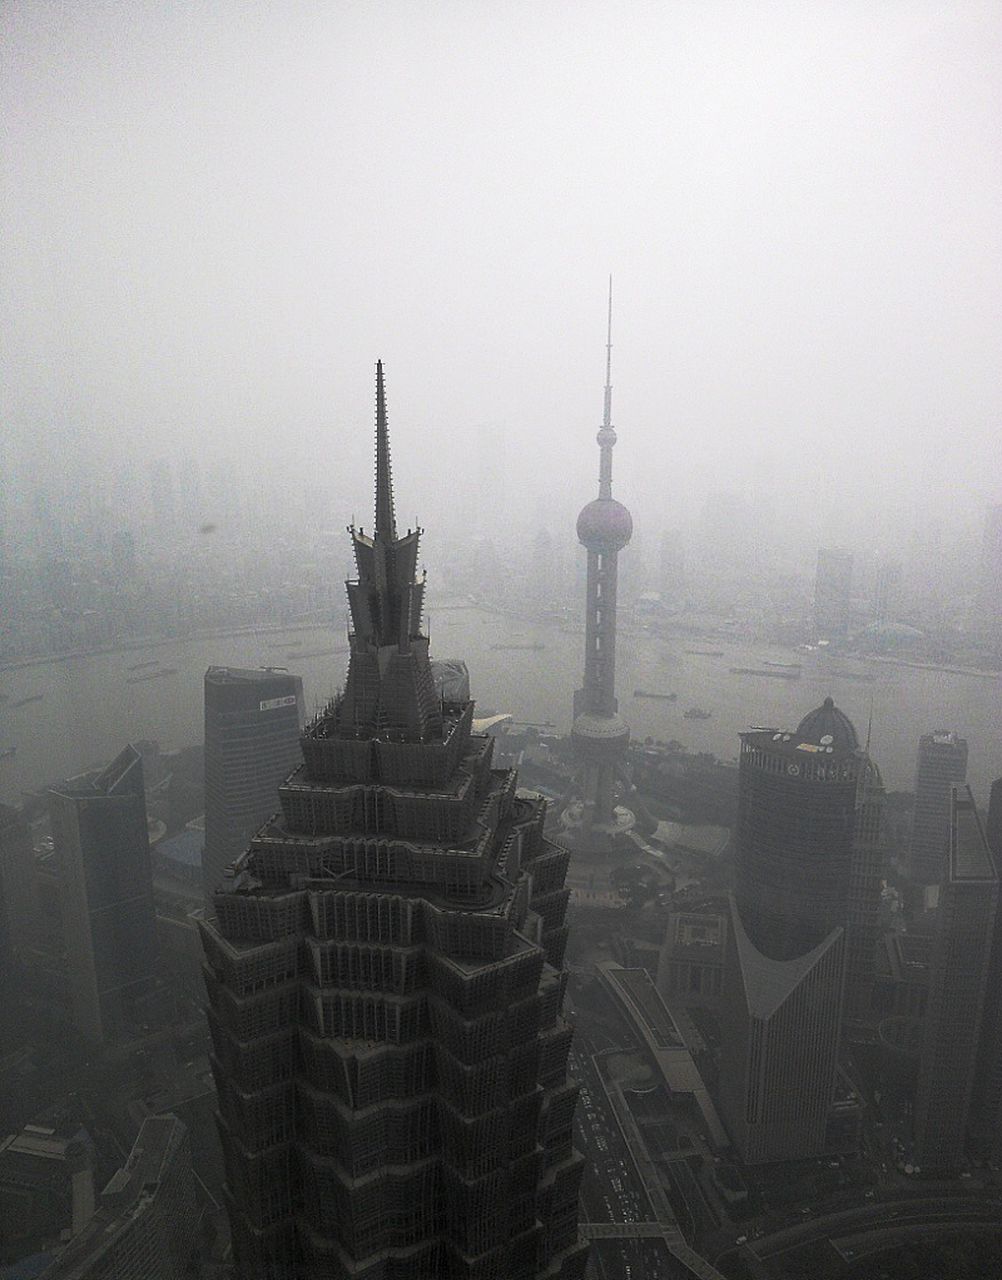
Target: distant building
{"x": 691, "y": 963}
{"x": 886, "y": 590}
{"x": 252, "y": 724}
{"x": 958, "y": 981}
{"x": 833, "y": 592}
{"x": 102, "y": 860}
{"x": 988, "y": 599}
{"x": 146, "y": 1223}
{"x": 942, "y": 764}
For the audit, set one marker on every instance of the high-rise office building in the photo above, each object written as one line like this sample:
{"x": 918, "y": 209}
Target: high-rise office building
{"x": 833, "y": 592}
{"x": 942, "y": 764}
{"x": 867, "y": 868}
{"x": 16, "y": 886}
{"x": 146, "y": 1223}
{"x": 252, "y": 723}
{"x": 784, "y": 982}
{"x": 385, "y": 978}
{"x": 600, "y": 734}
{"x": 985, "y": 1125}
{"x": 102, "y": 855}
{"x": 958, "y": 981}
{"x": 988, "y": 598}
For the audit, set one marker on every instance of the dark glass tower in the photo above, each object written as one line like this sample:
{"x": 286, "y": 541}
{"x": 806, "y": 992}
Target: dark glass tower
{"x": 385, "y": 978}
{"x": 808, "y": 838}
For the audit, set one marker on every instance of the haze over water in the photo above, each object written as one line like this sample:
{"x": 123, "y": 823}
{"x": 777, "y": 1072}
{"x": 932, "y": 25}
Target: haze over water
{"x": 90, "y": 708}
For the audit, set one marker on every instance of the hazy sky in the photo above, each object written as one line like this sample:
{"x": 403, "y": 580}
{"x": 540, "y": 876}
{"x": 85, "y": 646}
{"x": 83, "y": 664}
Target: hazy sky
{"x": 217, "y": 215}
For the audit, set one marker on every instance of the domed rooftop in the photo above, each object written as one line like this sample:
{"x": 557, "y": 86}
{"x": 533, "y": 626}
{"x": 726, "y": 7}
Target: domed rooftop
{"x": 605, "y": 524}
{"x": 827, "y": 726}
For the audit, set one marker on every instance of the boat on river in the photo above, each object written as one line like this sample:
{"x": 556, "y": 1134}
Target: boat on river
{"x": 660, "y": 697}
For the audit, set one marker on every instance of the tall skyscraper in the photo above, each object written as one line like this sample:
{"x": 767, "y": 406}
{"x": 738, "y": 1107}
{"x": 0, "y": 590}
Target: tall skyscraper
{"x": 385, "y": 978}
{"x": 252, "y": 724}
{"x": 942, "y": 764}
{"x": 102, "y": 852}
{"x": 985, "y": 1126}
{"x": 797, "y": 824}
{"x": 833, "y": 591}
{"x": 600, "y": 733}
{"x": 958, "y": 980}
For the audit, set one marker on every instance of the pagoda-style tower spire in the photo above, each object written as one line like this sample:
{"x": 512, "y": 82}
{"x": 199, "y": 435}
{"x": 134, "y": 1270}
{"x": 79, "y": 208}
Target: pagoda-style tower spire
{"x": 389, "y": 687}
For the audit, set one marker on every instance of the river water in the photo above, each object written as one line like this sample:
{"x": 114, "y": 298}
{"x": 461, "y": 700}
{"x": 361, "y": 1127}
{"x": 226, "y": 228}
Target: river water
{"x": 91, "y": 706}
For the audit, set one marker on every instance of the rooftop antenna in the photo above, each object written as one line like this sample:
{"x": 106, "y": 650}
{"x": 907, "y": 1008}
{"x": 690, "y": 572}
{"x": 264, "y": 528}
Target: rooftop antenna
{"x": 607, "y": 415}
{"x": 386, "y": 524}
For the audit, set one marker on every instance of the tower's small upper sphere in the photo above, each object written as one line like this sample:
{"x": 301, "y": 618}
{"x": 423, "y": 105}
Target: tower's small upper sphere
{"x": 606, "y": 436}
{"x": 605, "y": 525}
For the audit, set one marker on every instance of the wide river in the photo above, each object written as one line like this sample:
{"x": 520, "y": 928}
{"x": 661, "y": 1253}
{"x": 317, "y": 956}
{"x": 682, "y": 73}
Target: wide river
{"x": 91, "y": 706}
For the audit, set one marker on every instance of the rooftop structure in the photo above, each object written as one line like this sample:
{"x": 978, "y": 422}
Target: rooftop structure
{"x": 146, "y": 1222}
{"x": 384, "y": 967}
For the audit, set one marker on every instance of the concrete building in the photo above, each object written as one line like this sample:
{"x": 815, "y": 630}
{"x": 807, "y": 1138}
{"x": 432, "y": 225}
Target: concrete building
{"x": 252, "y": 724}
{"x": 146, "y": 1223}
{"x": 867, "y": 867}
{"x": 599, "y": 732}
{"x": 942, "y": 764}
{"x": 102, "y": 861}
{"x": 833, "y": 592}
{"x": 957, "y": 986}
{"x": 385, "y": 976}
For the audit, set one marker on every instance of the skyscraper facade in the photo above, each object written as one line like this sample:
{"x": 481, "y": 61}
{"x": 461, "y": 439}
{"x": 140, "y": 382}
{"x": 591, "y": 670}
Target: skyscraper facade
{"x": 604, "y": 527}
{"x": 784, "y": 985}
{"x": 252, "y": 724}
{"x": 942, "y": 764}
{"x": 385, "y": 978}
{"x": 102, "y": 853}
{"x": 958, "y": 980}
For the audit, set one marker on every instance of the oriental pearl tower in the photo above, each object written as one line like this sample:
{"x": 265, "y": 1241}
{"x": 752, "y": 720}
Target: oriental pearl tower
{"x": 600, "y": 734}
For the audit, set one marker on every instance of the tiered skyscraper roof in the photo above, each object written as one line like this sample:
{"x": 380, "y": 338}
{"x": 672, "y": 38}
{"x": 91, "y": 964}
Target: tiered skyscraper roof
{"x": 385, "y": 975}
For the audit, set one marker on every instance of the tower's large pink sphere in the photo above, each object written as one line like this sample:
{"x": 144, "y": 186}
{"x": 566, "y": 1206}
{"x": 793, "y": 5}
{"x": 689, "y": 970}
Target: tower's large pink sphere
{"x": 605, "y": 525}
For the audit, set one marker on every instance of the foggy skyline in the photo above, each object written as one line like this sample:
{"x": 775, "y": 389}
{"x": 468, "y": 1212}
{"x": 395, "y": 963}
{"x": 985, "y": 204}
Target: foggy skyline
{"x": 217, "y": 218}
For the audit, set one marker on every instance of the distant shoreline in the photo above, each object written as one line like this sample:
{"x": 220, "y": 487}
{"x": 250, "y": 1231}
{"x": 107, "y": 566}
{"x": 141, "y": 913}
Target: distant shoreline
{"x": 130, "y": 646}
